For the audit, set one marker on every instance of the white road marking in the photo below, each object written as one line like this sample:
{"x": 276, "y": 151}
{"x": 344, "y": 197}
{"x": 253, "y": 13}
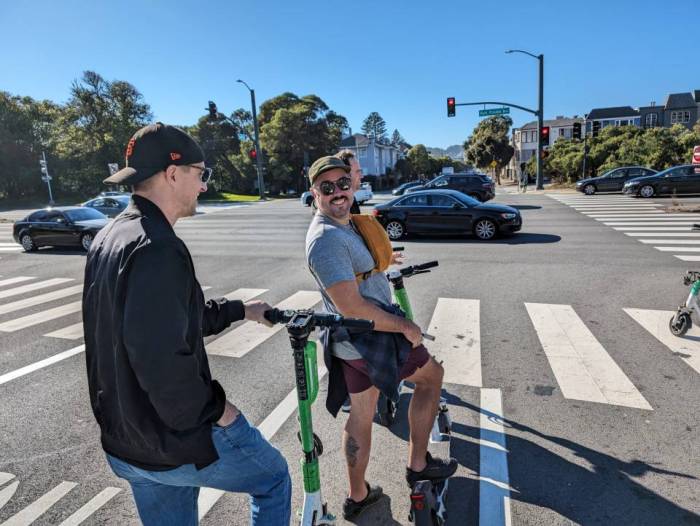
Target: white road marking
{"x": 455, "y": 325}
{"x": 7, "y": 377}
{"x": 16, "y": 248}
{"x": 32, "y": 287}
{"x": 12, "y": 281}
{"x": 582, "y": 367}
{"x": 675, "y": 241}
{"x": 688, "y": 258}
{"x": 668, "y": 228}
{"x": 72, "y": 332}
{"x": 40, "y": 506}
{"x": 641, "y": 219}
{"x": 7, "y": 493}
{"x": 653, "y": 213}
{"x": 5, "y": 477}
{"x": 99, "y": 500}
{"x": 40, "y": 317}
{"x": 656, "y": 323}
{"x": 678, "y": 249}
{"x": 268, "y": 427}
{"x": 42, "y": 298}
{"x": 670, "y": 234}
{"x": 686, "y": 224}
{"x": 241, "y": 340}
{"x": 494, "y": 486}
{"x": 244, "y": 294}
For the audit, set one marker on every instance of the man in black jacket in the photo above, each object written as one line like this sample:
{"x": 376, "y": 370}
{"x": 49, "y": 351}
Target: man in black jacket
{"x": 166, "y": 426}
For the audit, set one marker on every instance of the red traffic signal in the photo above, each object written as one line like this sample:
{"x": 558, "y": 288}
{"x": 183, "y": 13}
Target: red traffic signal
{"x": 253, "y": 154}
{"x": 451, "y": 107}
{"x": 544, "y": 136}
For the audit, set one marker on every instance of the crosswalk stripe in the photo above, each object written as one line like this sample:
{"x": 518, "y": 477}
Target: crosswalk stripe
{"x": 75, "y": 332}
{"x": 13, "y": 244}
{"x": 18, "y": 373}
{"x": 243, "y": 339}
{"x": 12, "y": 281}
{"x": 40, "y": 506}
{"x": 639, "y": 219}
{"x": 631, "y": 213}
{"x": 7, "y": 493}
{"x": 615, "y": 207}
{"x": 669, "y": 228}
{"x": 456, "y": 327}
{"x": 94, "y": 504}
{"x": 40, "y": 317}
{"x": 32, "y": 287}
{"x": 675, "y": 241}
{"x": 656, "y": 323}
{"x": 669, "y": 234}
{"x": 678, "y": 249}
{"x": 688, "y": 258}
{"x": 41, "y": 298}
{"x": 494, "y": 485}
{"x": 582, "y": 367}
{"x": 11, "y": 249}
{"x": 660, "y": 223}
{"x": 5, "y": 477}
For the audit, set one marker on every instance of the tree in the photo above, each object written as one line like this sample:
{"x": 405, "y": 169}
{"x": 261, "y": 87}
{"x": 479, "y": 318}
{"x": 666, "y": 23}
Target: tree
{"x": 419, "y": 161}
{"x": 396, "y": 139}
{"x": 374, "y": 127}
{"x": 489, "y": 145}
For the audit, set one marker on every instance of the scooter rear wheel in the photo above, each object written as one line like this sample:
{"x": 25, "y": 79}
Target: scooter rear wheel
{"x": 386, "y": 410}
{"x": 680, "y": 324}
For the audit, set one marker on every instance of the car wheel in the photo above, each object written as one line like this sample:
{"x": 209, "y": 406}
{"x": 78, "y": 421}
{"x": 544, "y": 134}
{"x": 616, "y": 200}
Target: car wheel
{"x": 395, "y": 230}
{"x": 27, "y": 243}
{"x": 589, "y": 189}
{"x": 86, "y": 241}
{"x": 485, "y": 229}
{"x": 309, "y": 200}
{"x": 647, "y": 191}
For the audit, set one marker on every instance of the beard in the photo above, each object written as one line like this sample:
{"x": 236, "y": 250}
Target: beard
{"x": 338, "y": 207}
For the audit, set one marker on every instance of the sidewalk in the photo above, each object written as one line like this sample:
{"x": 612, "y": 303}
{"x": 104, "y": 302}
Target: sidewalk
{"x": 512, "y": 188}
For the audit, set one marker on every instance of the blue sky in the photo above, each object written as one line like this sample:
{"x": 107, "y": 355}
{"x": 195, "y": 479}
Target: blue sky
{"x": 400, "y": 58}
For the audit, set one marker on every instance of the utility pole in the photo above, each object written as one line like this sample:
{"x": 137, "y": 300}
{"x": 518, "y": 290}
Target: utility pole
{"x": 45, "y": 176}
{"x": 540, "y": 112}
{"x": 258, "y": 151}
{"x": 585, "y": 144}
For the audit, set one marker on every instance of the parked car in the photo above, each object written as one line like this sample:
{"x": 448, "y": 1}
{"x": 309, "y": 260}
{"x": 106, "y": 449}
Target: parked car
{"x": 62, "y": 226}
{"x": 683, "y": 179}
{"x": 362, "y": 195}
{"x": 613, "y": 180}
{"x": 112, "y": 193}
{"x": 399, "y": 190}
{"x": 446, "y": 212}
{"x": 109, "y": 206}
{"x": 474, "y": 184}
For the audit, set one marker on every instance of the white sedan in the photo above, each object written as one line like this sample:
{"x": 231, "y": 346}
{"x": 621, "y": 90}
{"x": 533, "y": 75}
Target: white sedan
{"x": 362, "y": 195}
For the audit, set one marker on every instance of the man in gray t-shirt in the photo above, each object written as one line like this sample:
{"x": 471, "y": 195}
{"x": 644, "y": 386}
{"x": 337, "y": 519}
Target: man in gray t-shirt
{"x": 336, "y": 255}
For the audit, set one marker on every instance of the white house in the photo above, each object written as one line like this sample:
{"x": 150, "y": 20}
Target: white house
{"x": 375, "y": 158}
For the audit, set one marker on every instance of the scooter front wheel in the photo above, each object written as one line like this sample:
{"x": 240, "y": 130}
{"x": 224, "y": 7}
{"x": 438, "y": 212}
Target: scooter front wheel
{"x": 386, "y": 410}
{"x": 680, "y": 324}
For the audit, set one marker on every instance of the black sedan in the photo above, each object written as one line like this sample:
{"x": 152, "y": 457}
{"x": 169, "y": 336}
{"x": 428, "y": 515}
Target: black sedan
{"x": 109, "y": 206}
{"x": 683, "y": 179}
{"x": 69, "y": 226}
{"x": 613, "y": 180}
{"x": 401, "y": 189}
{"x": 446, "y": 212}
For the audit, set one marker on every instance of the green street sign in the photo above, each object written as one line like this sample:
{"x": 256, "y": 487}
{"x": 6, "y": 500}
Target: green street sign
{"x": 494, "y": 111}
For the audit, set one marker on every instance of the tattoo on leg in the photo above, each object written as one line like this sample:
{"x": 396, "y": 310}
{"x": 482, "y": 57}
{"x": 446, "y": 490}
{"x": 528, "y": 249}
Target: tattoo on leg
{"x": 351, "y": 449}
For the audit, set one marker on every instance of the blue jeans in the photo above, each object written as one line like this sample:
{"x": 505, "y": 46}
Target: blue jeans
{"x": 247, "y": 464}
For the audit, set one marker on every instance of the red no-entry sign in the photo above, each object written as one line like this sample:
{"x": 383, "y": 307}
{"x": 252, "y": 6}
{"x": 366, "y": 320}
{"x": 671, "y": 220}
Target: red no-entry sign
{"x": 696, "y": 155}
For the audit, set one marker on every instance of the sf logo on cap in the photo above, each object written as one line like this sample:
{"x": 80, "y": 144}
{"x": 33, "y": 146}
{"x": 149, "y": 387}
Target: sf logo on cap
{"x": 175, "y": 156}
{"x": 130, "y": 147}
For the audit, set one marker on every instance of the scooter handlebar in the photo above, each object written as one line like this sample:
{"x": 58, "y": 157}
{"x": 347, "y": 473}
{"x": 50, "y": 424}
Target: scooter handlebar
{"x": 318, "y": 320}
{"x": 417, "y": 269}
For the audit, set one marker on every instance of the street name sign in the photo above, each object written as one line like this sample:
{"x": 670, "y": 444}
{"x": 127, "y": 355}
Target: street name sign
{"x": 494, "y": 111}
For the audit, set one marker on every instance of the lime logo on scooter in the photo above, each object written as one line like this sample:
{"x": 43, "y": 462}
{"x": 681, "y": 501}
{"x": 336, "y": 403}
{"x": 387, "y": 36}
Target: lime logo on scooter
{"x": 300, "y": 324}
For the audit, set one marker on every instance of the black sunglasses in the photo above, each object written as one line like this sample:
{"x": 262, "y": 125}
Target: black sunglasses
{"x": 328, "y": 187}
{"x": 204, "y": 174}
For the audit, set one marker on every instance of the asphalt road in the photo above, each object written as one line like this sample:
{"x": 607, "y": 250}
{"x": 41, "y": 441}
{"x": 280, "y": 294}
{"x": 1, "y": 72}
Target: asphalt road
{"x": 538, "y": 316}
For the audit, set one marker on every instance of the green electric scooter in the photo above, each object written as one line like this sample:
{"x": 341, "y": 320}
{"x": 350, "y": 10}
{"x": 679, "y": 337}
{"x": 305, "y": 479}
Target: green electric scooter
{"x": 300, "y": 325}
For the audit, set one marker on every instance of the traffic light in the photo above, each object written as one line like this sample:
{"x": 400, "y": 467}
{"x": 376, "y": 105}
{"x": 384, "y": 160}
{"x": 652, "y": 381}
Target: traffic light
{"x": 253, "y": 154}
{"x": 577, "y": 130}
{"x": 544, "y": 136}
{"x": 451, "y": 109}
{"x": 213, "y": 112}
{"x": 596, "y": 128}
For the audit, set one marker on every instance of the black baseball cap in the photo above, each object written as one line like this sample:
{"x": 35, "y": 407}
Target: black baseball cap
{"x": 152, "y": 149}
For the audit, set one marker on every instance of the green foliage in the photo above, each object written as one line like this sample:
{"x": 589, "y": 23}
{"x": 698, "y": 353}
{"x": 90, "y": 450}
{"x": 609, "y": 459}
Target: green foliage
{"x": 490, "y": 144}
{"x": 419, "y": 161}
{"x": 374, "y": 127}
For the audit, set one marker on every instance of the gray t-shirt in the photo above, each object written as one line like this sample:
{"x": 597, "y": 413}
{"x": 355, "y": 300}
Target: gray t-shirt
{"x": 335, "y": 253}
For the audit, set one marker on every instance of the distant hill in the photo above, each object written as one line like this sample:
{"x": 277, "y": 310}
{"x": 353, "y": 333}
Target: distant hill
{"x": 455, "y": 152}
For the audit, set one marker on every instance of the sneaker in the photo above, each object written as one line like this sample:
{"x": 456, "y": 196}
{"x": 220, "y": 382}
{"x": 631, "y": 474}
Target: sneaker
{"x": 437, "y": 469}
{"x": 346, "y": 405}
{"x": 352, "y": 509}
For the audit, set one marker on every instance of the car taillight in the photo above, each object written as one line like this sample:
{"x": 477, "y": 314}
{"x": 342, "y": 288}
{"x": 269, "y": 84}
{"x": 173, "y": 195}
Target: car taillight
{"x": 375, "y": 212}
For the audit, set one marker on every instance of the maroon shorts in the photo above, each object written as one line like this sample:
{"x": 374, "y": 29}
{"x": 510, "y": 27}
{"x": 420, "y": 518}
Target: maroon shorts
{"x": 357, "y": 379}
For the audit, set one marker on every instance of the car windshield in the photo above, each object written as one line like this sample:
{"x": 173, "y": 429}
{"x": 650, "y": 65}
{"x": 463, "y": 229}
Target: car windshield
{"x": 467, "y": 200}
{"x": 123, "y": 199}
{"x": 84, "y": 214}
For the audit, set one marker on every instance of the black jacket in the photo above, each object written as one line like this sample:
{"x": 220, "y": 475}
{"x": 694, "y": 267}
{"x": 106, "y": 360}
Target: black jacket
{"x": 144, "y": 319}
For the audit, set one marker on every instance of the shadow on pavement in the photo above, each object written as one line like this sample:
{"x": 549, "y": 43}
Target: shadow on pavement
{"x": 523, "y": 238}
{"x": 526, "y": 207}
{"x": 56, "y": 251}
{"x": 604, "y": 493}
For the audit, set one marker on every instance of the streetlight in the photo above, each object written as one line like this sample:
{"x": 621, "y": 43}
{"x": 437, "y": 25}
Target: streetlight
{"x": 258, "y": 151}
{"x": 540, "y": 112}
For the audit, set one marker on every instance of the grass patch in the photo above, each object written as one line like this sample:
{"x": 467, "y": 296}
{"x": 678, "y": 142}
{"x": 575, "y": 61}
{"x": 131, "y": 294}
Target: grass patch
{"x": 232, "y": 198}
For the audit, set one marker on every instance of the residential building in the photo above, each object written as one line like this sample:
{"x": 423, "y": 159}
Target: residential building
{"x": 681, "y": 108}
{"x": 614, "y": 116}
{"x": 374, "y": 157}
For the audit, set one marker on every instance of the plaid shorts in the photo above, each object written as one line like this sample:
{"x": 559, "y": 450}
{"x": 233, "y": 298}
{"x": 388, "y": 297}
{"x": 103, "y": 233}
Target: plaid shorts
{"x": 355, "y": 371}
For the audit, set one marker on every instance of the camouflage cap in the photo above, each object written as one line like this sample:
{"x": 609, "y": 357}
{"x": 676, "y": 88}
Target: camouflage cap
{"x": 323, "y": 164}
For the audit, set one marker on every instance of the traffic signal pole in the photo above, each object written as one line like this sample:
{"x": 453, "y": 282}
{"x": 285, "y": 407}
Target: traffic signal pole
{"x": 540, "y": 122}
{"x": 258, "y": 151}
